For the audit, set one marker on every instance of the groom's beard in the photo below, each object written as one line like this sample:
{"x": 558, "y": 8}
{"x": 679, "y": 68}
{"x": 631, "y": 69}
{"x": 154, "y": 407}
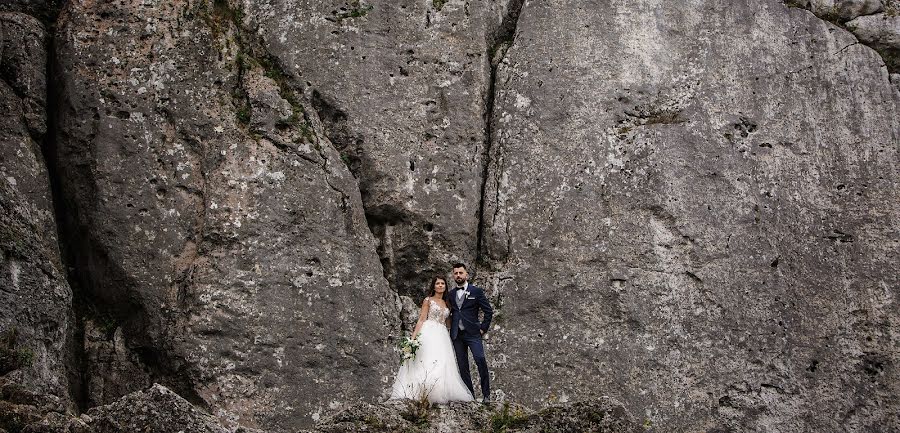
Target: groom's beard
{"x": 460, "y": 283}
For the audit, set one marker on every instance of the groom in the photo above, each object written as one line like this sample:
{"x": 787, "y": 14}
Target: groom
{"x": 466, "y": 330}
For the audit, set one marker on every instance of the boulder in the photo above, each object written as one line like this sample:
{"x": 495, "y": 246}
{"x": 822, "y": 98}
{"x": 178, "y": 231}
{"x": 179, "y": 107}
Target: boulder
{"x": 881, "y": 32}
{"x": 597, "y": 415}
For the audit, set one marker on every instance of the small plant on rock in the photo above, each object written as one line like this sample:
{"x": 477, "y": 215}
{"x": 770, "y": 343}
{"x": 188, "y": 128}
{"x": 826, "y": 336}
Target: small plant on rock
{"x": 418, "y": 410}
{"x": 506, "y": 419}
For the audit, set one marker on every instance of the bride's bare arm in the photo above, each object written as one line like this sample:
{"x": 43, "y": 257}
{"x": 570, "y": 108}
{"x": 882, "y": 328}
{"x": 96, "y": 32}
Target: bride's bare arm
{"x": 423, "y": 313}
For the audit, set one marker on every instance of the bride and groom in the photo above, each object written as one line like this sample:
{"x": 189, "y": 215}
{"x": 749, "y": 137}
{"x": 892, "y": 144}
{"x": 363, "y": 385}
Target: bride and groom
{"x": 440, "y": 369}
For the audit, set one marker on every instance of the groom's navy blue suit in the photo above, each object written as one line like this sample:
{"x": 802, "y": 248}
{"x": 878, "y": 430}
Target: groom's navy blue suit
{"x": 469, "y": 338}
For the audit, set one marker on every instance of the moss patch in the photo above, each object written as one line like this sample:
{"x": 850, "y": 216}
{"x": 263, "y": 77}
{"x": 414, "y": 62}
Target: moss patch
{"x": 13, "y": 357}
{"x": 439, "y": 4}
{"x": 353, "y": 9}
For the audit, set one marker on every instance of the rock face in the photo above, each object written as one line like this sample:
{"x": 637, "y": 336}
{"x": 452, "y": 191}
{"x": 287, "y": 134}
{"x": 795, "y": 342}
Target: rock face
{"x": 36, "y": 321}
{"x": 690, "y": 206}
{"x": 693, "y": 207}
{"x": 217, "y": 228}
{"x": 402, "y": 88}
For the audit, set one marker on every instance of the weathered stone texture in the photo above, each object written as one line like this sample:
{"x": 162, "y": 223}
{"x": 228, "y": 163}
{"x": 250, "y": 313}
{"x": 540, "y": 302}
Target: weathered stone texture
{"x": 402, "y": 87}
{"x": 839, "y": 10}
{"x": 881, "y": 32}
{"x": 110, "y": 368}
{"x": 213, "y": 221}
{"x": 35, "y": 300}
{"x": 875, "y": 23}
{"x": 692, "y": 206}
{"x": 44, "y": 10}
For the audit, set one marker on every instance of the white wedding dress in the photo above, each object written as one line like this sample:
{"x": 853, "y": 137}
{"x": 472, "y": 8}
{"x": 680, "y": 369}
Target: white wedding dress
{"x": 433, "y": 372}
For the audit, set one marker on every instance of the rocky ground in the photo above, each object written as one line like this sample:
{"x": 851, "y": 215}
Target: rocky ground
{"x": 157, "y": 409}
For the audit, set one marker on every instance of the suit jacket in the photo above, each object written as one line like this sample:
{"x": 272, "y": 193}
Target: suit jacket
{"x": 467, "y": 312}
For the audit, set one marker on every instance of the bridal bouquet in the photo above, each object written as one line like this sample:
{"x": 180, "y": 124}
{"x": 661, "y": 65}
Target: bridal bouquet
{"x": 408, "y": 348}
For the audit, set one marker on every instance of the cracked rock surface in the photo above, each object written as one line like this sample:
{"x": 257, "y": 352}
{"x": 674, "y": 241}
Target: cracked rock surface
{"x": 401, "y": 88}
{"x": 224, "y": 236}
{"x": 686, "y": 207}
{"x": 673, "y": 220}
{"x": 36, "y": 318}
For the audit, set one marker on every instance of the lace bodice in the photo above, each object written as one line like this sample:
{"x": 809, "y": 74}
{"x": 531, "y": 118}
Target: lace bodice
{"x": 436, "y": 312}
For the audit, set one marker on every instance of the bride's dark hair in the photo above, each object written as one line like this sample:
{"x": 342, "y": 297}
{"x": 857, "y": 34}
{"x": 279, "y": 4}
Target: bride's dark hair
{"x": 434, "y": 280}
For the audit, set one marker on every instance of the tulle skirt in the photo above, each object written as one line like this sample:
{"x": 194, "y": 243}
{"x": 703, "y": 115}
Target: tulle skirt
{"x": 433, "y": 372}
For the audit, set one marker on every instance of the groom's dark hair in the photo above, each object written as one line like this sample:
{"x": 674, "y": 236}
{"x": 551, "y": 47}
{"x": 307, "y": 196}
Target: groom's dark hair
{"x": 459, "y": 265}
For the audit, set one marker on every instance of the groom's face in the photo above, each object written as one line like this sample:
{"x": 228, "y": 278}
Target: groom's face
{"x": 460, "y": 275}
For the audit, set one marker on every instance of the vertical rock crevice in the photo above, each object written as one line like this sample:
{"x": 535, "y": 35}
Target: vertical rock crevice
{"x": 27, "y": 66}
{"x": 498, "y": 44}
{"x": 75, "y": 365}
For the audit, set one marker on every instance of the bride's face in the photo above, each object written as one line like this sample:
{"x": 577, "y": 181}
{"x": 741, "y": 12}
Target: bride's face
{"x": 439, "y": 287}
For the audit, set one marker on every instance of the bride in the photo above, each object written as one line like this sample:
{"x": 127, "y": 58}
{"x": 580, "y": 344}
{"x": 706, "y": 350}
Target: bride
{"x": 433, "y": 372}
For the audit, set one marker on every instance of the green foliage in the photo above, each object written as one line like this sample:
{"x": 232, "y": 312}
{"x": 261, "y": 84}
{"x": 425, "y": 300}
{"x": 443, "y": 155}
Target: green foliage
{"x": 439, "y": 4}
{"x": 354, "y": 10}
{"x": 833, "y": 14}
{"x": 222, "y": 16}
{"x": 222, "y": 9}
{"x": 374, "y": 422}
{"x": 272, "y": 70}
{"x": 25, "y": 356}
{"x": 218, "y": 17}
{"x": 663, "y": 117}
{"x": 243, "y": 114}
{"x": 12, "y": 243}
{"x": 506, "y": 419}
{"x": 892, "y": 8}
{"x": 13, "y": 357}
{"x": 102, "y": 318}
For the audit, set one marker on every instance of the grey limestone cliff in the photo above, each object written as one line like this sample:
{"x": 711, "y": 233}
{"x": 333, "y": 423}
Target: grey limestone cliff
{"x": 225, "y": 210}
